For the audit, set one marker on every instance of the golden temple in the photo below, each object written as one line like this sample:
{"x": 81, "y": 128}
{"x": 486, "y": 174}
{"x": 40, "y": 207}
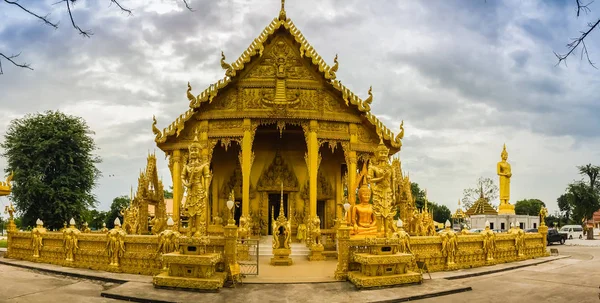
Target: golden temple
{"x": 279, "y": 134}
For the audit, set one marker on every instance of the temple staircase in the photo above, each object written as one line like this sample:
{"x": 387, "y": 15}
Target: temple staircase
{"x": 265, "y": 248}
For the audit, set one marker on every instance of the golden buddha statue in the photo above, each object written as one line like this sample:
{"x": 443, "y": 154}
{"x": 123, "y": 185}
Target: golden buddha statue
{"x": 505, "y": 173}
{"x": 363, "y": 217}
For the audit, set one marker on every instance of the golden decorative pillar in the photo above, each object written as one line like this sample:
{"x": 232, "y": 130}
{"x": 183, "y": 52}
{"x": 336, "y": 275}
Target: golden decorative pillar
{"x": 246, "y": 166}
{"x": 351, "y": 163}
{"x": 231, "y": 236}
{"x": 177, "y": 186}
{"x": 343, "y": 238}
{"x": 313, "y": 156}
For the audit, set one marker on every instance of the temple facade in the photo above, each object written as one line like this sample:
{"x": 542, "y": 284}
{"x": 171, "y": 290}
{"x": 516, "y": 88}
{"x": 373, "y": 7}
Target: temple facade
{"x": 280, "y": 115}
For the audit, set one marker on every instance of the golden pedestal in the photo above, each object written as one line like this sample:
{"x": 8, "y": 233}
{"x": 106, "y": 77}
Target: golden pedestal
{"x": 506, "y": 209}
{"x": 383, "y": 270}
{"x": 316, "y": 253}
{"x": 281, "y": 256}
{"x": 191, "y": 271}
{"x": 383, "y": 266}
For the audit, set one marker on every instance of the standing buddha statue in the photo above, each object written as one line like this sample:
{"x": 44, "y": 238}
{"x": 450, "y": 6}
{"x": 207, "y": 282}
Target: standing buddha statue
{"x": 505, "y": 173}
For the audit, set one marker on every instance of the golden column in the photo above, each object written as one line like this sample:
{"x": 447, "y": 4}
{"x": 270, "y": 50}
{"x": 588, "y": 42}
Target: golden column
{"x": 177, "y": 186}
{"x": 351, "y": 158}
{"x": 313, "y": 156}
{"x": 246, "y": 166}
{"x": 205, "y": 155}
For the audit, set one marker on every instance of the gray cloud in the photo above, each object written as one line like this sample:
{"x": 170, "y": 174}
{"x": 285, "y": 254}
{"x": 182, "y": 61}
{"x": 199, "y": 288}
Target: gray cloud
{"x": 466, "y": 76}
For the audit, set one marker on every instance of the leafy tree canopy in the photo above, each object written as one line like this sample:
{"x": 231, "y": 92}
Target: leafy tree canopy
{"x": 485, "y": 187}
{"x": 565, "y": 204}
{"x": 117, "y": 205}
{"x": 168, "y": 193}
{"x": 529, "y": 207}
{"x": 54, "y": 168}
{"x": 441, "y": 213}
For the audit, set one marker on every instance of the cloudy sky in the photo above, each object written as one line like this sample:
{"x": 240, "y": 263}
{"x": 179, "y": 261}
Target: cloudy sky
{"x": 465, "y": 76}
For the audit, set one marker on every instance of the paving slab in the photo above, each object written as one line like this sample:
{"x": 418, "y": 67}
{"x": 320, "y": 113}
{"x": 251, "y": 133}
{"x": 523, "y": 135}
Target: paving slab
{"x": 321, "y": 292}
{"x": 486, "y": 270}
{"x": 78, "y": 272}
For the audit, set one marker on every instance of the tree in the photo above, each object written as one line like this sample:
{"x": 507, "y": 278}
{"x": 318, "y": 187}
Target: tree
{"x": 485, "y": 188}
{"x": 168, "y": 193}
{"x": 54, "y": 168}
{"x": 530, "y": 207}
{"x": 565, "y": 204}
{"x": 418, "y": 194}
{"x": 117, "y": 205}
{"x": 580, "y": 41}
{"x": 46, "y": 21}
{"x": 95, "y": 218}
{"x": 585, "y": 193}
{"x": 441, "y": 212}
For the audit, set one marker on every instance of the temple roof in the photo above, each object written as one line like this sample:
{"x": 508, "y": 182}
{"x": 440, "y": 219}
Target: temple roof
{"x": 459, "y": 213}
{"x": 481, "y": 207}
{"x": 256, "y": 48}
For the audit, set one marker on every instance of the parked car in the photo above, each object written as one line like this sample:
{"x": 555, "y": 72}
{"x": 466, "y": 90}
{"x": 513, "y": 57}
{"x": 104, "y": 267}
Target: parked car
{"x": 498, "y": 231}
{"x": 572, "y": 231}
{"x": 475, "y": 230}
{"x": 554, "y": 236}
{"x": 531, "y": 230}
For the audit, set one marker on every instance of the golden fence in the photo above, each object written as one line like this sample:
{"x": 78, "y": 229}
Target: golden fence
{"x": 141, "y": 254}
{"x": 468, "y": 254}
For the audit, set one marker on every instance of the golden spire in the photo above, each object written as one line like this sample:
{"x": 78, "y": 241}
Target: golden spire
{"x": 281, "y": 202}
{"x": 282, "y": 16}
{"x": 504, "y": 152}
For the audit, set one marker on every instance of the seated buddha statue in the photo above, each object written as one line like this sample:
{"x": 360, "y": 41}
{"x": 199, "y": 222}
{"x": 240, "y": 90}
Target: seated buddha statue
{"x": 363, "y": 217}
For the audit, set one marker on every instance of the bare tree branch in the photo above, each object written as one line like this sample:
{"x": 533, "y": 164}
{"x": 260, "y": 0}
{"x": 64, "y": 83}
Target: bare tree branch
{"x": 45, "y": 18}
{"x": 585, "y": 8}
{"x": 10, "y": 59}
{"x": 187, "y": 5}
{"x": 87, "y": 33}
{"x": 576, "y": 42}
{"x": 128, "y": 11}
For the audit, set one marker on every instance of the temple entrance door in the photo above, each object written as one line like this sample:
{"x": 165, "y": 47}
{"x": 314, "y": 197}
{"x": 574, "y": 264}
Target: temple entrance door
{"x": 237, "y": 213}
{"x": 321, "y": 212}
{"x": 274, "y": 203}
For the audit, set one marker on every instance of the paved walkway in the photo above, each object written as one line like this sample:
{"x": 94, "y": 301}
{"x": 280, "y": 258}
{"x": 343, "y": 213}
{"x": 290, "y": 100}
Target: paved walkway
{"x": 140, "y": 288}
{"x": 574, "y": 279}
{"x": 21, "y": 285}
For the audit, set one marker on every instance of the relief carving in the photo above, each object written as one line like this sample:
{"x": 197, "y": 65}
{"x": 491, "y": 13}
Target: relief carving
{"x": 277, "y": 172}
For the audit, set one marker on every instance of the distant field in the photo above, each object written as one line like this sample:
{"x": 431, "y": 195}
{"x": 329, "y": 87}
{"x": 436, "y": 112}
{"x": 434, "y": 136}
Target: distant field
{"x": 3, "y": 243}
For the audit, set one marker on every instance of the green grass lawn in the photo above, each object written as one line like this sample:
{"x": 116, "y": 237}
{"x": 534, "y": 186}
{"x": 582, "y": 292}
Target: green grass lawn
{"x": 3, "y": 243}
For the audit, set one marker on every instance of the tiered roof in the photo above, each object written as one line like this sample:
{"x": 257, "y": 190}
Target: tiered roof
{"x": 481, "y": 207}
{"x": 256, "y": 48}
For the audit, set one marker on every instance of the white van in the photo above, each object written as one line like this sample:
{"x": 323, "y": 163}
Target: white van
{"x": 572, "y": 231}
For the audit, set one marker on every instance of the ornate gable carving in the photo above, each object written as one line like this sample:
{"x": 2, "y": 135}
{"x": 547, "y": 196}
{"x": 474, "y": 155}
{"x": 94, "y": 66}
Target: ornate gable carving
{"x": 280, "y": 59}
{"x": 277, "y": 172}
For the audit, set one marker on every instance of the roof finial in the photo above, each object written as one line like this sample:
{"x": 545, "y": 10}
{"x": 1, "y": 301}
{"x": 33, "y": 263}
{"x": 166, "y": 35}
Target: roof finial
{"x": 282, "y": 16}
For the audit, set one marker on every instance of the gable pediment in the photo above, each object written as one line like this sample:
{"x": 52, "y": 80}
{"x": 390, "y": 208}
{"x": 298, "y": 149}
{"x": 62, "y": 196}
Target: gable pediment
{"x": 280, "y": 75}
